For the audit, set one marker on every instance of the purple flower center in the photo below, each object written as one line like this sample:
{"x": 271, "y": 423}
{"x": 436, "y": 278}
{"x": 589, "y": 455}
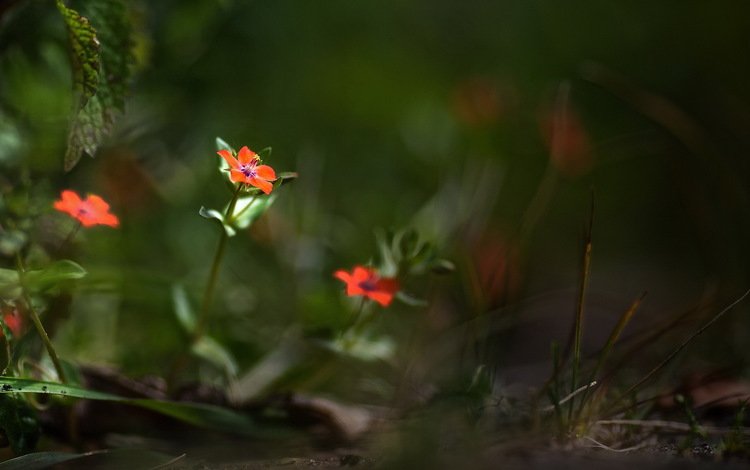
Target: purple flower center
{"x": 369, "y": 284}
{"x": 248, "y": 169}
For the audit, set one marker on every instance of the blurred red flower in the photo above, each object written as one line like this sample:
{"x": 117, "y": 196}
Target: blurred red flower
{"x": 13, "y": 320}
{"x": 90, "y": 211}
{"x": 246, "y": 169}
{"x": 366, "y": 282}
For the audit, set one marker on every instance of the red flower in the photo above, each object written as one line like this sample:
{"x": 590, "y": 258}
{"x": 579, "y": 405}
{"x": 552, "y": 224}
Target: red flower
{"x": 365, "y": 281}
{"x": 90, "y": 211}
{"x": 13, "y": 321}
{"x": 247, "y": 170}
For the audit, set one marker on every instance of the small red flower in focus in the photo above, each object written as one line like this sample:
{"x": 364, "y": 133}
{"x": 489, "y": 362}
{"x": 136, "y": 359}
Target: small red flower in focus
{"x": 246, "y": 169}
{"x": 13, "y": 320}
{"x": 90, "y": 211}
{"x": 365, "y": 281}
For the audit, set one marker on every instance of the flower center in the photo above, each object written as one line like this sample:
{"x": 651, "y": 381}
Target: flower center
{"x": 369, "y": 284}
{"x": 248, "y": 169}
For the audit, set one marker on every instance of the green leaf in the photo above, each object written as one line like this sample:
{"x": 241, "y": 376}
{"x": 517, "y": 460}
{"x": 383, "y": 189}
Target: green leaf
{"x": 53, "y": 275}
{"x": 221, "y": 144}
{"x": 85, "y": 52}
{"x": 182, "y": 309}
{"x": 197, "y": 414}
{"x": 249, "y": 209}
{"x": 361, "y": 347}
{"x": 105, "y": 24}
{"x": 389, "y": 265}
{"x": 108, "y": 458}
{"x": 215, "y": 353}
{"x": 410, "y": 300}
{"x": 38, "y": 460}
{"x": 442, "y": 266}
{"x": 204, "y": 416}
{"x": 214, "y": 214}
{"x": 10, "y": 286}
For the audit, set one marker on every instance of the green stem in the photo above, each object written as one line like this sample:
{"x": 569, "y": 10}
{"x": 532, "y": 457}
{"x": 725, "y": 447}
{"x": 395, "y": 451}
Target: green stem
{"x": 208, "y": 294}
{"x": 38, "y": 324}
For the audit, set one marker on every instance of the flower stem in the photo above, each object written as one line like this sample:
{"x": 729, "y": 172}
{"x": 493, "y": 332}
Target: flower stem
{"x": 38, "y": 324}
{"x": 71, "y": 235}
{"x": 200, "y": 325}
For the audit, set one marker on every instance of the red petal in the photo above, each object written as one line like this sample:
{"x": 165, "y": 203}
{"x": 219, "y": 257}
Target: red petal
{"x": 265, "y": 172}
{"x": 110, "y": 220}
{"x": 263, "y": 185}
{"x": 361, "y": 274}
{"x": 97, "y": 204}
{"x": 388, "y": 284}
{"x": 342, "y": 276}
{"x": 383, "y": 298}
{"x": 238, "y": 177}
{"x": 69, "y": 202}
{"x": 227, "y": 155}
{"x": 246, "y": 155}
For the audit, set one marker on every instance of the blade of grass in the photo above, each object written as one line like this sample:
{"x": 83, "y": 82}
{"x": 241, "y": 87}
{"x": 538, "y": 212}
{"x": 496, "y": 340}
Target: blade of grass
{"x": 585, "y": 274}
{"x": 613, "y": 337}
{"x": 679, "y": 349}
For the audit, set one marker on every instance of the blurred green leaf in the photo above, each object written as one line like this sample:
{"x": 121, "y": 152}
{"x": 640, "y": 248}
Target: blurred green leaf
{"x": 215, "y": 353}
{"x": 221, "y": 144}
{"x": 38, "y": 460}
{"x": 12, "y": 241}
{"x": 442, "y": 266}
{"x": 265, "y": 153}
{"x": 182, "y": 309}
{"x": 10, "y": 286}
{"x": 410, "y": 300}
{"x": 197, "y": 414}
{"x": 249, "y": 209}
{"x": 108, "y": 458}
{"x": 53, "y": 275}
{"x": 359, "y": 346}
{"x": 216, "y": 215}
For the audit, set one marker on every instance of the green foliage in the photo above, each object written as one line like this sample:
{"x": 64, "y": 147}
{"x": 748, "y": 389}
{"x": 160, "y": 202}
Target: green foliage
{"x": 19, "y": 422}
{"x": 101, "y": 48}
{"x": 201, "y": 415}
{"x": 108, "y": 458}
{"x": 56, "y": 275}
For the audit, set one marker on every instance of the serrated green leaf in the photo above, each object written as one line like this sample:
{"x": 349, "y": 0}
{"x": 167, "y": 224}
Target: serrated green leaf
{"x": 85, "y": 49}
{"x": 182, "y": 309}
{"x": 56, "y": 273}
{"x": 215, "y": 353}
{"x": 97, "y": 109}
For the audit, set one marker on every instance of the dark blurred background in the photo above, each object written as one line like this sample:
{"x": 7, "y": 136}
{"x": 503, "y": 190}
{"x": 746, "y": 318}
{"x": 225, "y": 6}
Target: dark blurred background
{"x": 485, "y": 125}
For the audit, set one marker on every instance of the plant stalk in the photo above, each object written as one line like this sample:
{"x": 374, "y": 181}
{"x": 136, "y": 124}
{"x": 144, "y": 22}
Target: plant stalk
{"x": 200, "y": 325}
{"x": 38, "y": 323}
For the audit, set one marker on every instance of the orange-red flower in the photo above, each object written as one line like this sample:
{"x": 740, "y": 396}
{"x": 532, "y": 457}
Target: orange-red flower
{"x": 367, "y": 282}
{"x": 246, "y": 169}
{"x": 90, "y": 211}
{"x": 13, "y": 320}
